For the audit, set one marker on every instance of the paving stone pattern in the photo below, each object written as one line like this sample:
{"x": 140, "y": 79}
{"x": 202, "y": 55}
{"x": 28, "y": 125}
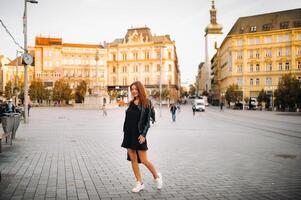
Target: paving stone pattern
{"x": 64, "y": 153}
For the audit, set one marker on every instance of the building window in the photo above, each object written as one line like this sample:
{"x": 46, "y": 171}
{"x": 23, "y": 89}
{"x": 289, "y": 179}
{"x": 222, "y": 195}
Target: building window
{"x": 146, "y": 68}
{"x": 299, "y": 79}
{"x": 297, "y": 24}
{"x": 257, "y": 40}
{"x": 124, "y": 69}
{"x": 239, "y": 42}
{"x": 251, "y": 81}
{"x": 283, "y": 38}
{"x": 146, "y": 55}
{"x": 114, "y": 69}
{"x": 114, "y": 57}
{"x": 268, "y": 53}
{"x": 268, "y": 39}
{"x": 135, "y": 68}
{"x": 169, "y": 68}
{"x": 257, "y": 67}
{"x": 268, "y": 81}
{"x": 253, "y": 29}
{"x": 298, "y": 50}
{"x": 269, "y": 67}
{"x": 124, "y": 56}
{"x": 284, "y": 25}
{"x": 239, "y": 69}
{"x": 287, "y": 66}
{"x": 266, "y": 27}
{"x": 280, "y": 66}
{"x": 257, "y": 54}
{"x": 239, "y": 55}
{"x": 251, "y": 41}
{"x": 251, "y": 54}
{"x": 257, "y": 81}
{"x": 169, "y": 55}
{"x": 279, "y": 52}
{"x": 299, "y": 36}
{"x": 135, "y": 56}
{"x": 287, "y": 51}
{"x": 251, "y": 68}
{"x": 158, "y": 67}
{"x": 299, "y": 64}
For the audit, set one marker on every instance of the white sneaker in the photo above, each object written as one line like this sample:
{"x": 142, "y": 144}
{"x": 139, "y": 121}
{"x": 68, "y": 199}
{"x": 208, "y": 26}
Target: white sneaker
{"x": 159, "y": 181}
{"x": 138, "y": 187}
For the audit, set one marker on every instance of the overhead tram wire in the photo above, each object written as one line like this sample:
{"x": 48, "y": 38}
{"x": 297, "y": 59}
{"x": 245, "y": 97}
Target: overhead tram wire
{"x": 8, "y": 32}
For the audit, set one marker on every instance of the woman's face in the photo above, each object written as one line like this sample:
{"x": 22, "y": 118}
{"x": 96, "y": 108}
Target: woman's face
{"x": 134, "y": 91}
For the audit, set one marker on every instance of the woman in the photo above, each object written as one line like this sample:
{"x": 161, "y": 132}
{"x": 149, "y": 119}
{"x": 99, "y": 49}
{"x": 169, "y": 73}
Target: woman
{"x": 136, "y": 125}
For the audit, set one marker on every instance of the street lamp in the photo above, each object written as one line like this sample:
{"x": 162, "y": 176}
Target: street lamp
{"x": 27, "y": 59}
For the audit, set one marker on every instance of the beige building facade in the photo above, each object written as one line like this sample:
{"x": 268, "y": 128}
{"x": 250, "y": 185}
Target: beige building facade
{"x": 143, "y": 56}
{"x": 258, "y": 51}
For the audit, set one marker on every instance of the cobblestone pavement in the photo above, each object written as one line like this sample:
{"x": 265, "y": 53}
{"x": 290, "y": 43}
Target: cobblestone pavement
{"x": 64, "y": 153}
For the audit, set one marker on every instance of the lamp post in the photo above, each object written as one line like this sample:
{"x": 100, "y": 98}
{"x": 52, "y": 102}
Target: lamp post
{"x": 25, "y": 64}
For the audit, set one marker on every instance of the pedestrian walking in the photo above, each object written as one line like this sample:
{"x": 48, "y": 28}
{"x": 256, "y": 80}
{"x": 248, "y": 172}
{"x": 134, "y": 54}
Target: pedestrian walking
{"x": 136, "y": 125}
{"x": 173, "y": 110}
{"x": 221, "y": 106}
{"x": 104, "y": 110}
{"x": 193, "y": 110}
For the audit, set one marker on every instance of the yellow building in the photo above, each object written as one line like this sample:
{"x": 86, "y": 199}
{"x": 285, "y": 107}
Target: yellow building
{"x": 74, "y": 62}
{"x": 137, "y": 57}
{"x": 258, "y": 51}
{"x": 201, "y": 79}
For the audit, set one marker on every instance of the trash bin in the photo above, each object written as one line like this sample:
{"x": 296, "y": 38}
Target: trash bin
{"x": 7, "y": 121}
{"x": 16, "y": 123}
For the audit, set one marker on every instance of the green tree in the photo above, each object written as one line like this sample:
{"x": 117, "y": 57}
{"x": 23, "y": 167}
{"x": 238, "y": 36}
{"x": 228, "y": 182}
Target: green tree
{"x": 8, "y": 91}
{"x": 165, "y": 94}
{"x": 37, "y": 91}
{"x": 192, "y": 89}
{"x": 155, "y": 93}
{"x": 233, "y": 94}
{"x": 62, "y": 91}
{"x": 80, "y": 92}
{"x": 288, "y": 94}
{"x": 183, "y": 92}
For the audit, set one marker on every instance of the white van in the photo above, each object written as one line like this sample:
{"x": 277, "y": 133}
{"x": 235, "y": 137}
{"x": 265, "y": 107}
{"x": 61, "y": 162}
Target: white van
{"x": 199, "y": 105}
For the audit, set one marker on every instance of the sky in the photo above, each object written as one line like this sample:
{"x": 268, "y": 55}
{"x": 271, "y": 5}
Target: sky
{"x": 95, "y": 21}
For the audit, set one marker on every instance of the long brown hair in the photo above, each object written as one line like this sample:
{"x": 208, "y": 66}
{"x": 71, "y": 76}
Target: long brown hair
{"x": 141, "y": 93}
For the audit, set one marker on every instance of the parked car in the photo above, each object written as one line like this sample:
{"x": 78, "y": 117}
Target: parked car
{"x": 199, "y": 105}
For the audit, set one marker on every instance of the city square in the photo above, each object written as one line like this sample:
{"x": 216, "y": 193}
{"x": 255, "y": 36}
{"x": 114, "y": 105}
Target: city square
{"x": 66, "y": 153}
{"x": 80, "y": 80}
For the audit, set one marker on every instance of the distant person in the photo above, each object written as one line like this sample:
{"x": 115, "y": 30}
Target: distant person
{"x": 104, "y": 110}
{"x": 179, "y": 108}
{"x": 222, "y": 106}
{"x": 173, "y": 110}
{"x": 9, "y": 107}
{"x": 135, "y": 128}
{"x": 29, "y": 107}
{"x": 193, "y": 110}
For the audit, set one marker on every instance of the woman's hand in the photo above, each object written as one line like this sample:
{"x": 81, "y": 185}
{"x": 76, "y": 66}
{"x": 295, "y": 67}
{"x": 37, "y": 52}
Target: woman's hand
{"x": 141, "y": 139}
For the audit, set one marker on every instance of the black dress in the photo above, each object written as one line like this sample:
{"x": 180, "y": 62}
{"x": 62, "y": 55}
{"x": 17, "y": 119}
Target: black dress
{"x": 131, "y": 132}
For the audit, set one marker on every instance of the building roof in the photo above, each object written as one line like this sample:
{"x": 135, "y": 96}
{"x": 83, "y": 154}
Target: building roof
{"x": 47, "y": 41}
{"x": 143, "y": 32}
{"x": 14, "y": 62}
{"x": 267, "y": 22}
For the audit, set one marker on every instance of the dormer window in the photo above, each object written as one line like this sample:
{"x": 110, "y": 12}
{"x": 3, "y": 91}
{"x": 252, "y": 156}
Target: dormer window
{"x": 266, "y": 27}
{"x": 283, "y": 25}
{"x": 253, "y": 29}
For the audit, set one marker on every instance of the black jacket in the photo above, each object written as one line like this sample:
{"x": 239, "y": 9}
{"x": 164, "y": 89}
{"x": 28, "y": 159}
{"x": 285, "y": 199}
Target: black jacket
{"x": 146, "y": 115}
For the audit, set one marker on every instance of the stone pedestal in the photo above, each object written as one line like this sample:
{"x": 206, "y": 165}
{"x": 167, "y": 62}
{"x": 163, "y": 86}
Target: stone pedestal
{"x": 96, "y": 99}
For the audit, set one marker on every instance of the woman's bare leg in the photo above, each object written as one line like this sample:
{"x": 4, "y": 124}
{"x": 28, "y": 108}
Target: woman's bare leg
{"x": 135, "y": 166}
{"x": 147, "y": 163}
